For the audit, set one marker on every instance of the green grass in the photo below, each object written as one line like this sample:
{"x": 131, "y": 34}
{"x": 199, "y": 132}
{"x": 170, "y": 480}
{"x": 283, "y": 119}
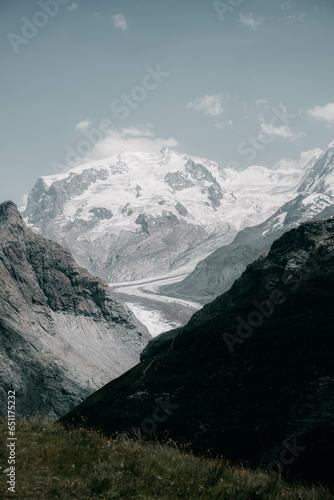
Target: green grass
{"x": 53, "y": 462}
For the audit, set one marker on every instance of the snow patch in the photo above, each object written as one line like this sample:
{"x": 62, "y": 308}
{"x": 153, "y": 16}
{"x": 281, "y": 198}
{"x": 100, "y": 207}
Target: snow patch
{"x": 154, "y": 320}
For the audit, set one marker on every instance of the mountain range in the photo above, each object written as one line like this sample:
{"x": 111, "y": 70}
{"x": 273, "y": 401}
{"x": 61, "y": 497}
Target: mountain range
{"x": 216, "y": 273}
{"x": 138, "y": 215}
{"x": 250, "y": 376}
{"x": 187, "y": 223}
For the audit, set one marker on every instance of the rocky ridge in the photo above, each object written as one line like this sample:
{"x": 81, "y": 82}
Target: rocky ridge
{"x": 251, "y": 377}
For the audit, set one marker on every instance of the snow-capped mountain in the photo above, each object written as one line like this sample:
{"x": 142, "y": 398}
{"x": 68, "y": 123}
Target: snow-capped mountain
{"x": 137, "y": 215}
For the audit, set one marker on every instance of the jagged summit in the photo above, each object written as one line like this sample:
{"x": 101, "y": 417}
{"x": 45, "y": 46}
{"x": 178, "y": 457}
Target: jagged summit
{"x": 7, "y": 204}
{"x": 11, "y": 222}
{"x": 8, "y": 209}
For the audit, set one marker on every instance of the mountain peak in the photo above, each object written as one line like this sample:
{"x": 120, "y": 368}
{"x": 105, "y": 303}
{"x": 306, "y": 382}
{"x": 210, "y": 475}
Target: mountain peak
{"x": 10, "y": 212}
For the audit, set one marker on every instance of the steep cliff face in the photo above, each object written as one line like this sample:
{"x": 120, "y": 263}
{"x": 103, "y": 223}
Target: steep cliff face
{"x": 251, "y": 379}
{"x": 62, "y": 334}
{"x": 138, "y": 215}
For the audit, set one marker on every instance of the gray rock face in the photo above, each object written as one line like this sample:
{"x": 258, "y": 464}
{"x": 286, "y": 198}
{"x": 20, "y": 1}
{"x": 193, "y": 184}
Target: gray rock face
{"x": 178, "y": 181}
{"x": 101, "y": 213}
{"x": 62, "y": 333}
{"x": 50, "y": 203}
{"x": 217, "y": 273}
{"x": 200, "y": 173}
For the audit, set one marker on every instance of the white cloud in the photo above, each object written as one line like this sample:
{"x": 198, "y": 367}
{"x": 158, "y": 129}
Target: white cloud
{"x": 294, "y": 18}
{"x": 131, "y": 139}
{"x": 286, "y": 164}
{"x": 285, "y": 6}
{"x": 325, "y": 113}
{"x": 251, "y": 21}
{"x": 73, "y": 6}
{"x": 210, "y": 104}
{"x": 222, "y": 125}
{"x": 120, "y": 22}
{"x": 83, "y": 124}
{"x": 307, "y": 156}
{"x": 261, "y": 102}
{"x": 304, "y": 158}
{"x": 283, "y": 131}
{"x": 135, "y": 131}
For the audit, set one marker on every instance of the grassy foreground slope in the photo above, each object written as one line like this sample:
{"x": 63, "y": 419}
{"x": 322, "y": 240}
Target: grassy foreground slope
{"x": 53, "y": 462}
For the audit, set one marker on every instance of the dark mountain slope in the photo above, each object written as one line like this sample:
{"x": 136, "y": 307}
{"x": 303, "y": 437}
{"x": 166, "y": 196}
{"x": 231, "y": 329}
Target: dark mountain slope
{"x": 247, "y": 395}
{"x": 302, "y": 252}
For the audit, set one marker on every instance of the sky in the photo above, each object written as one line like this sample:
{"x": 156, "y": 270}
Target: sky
{"x": 241, "y": 82}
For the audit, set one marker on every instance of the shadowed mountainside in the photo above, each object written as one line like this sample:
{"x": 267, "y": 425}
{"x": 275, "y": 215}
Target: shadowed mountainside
{"x": 300, "y": 253}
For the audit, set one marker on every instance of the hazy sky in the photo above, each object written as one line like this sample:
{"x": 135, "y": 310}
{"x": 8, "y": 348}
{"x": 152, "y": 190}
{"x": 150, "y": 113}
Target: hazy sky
{"x": 240, "y": 82}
